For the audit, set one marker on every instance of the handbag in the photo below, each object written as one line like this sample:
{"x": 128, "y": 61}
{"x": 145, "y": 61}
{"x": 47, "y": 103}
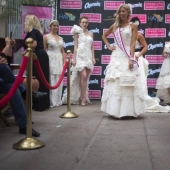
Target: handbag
{"x": 127, "y": 80}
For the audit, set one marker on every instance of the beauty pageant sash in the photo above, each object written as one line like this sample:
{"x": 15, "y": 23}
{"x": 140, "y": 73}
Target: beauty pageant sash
{"x": 118, "y": 38}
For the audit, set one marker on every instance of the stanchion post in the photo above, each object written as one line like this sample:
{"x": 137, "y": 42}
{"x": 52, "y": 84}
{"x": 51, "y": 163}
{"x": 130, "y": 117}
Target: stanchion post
{"x": 29, "y": 143}
{"x": 69, "y": 113}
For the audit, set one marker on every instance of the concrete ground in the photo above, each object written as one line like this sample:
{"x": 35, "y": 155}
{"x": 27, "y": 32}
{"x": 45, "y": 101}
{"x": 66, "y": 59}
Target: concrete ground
{"x": 93, "y": 141}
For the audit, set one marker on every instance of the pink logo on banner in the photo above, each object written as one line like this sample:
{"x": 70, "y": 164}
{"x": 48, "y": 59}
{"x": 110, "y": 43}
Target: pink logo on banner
{"x": 97, "y": 70}
{"x": 64, "y": 81}
{"x": 151, "y": 82}
{"x": 65, "y": 30}
{"x": 110, "y": 35}
{"x": 167, "y": 18}
{"x": 154, "y": 5}
{"x": 94, "y": 94}
{"x": 142, "y": 17}
{"x": 105, "y": 59}
{"x": 109, "y": 5}
{"x": 154, "y": 59}
{"x": 76, "y": 4}
{"x": 102, "y": 83}
{"x": 92, "y": 17}
{"x": 97, "y": 45}
{"x": 155, "y": 32}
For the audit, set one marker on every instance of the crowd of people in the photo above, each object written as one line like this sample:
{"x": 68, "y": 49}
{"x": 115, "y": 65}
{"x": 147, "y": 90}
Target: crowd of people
{"x": 125, "y": 84}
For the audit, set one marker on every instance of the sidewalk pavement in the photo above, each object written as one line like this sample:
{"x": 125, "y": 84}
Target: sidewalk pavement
{"x": 93, "y": 141}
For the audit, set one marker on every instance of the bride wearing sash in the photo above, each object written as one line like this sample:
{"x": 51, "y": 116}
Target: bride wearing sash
{"x": 123, "y": 94}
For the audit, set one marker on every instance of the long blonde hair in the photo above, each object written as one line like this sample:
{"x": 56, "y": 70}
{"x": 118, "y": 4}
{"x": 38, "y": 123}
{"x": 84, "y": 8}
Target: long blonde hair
{"x": 31, "y": 21}
{"x": 118, "y": 21}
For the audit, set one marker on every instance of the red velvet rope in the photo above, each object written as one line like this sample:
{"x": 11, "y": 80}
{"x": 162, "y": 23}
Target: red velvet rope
{"x": 37, "y": 64}
{"x": 11, "y": 92}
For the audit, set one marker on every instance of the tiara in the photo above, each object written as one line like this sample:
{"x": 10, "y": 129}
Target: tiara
{"x": 53, "y": 21}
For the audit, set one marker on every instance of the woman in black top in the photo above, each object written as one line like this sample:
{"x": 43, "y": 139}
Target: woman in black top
{"x": 34, "y": 31}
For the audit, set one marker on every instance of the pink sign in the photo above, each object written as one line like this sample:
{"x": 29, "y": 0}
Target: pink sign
{"x": 142, "y": 17}
{"x": 64, "y": 30}
{"x": 167, "y": 18}
{"x": 112, "y": 5}
{"x": 154, "y": 5}
{"x": 155, "y": 32}
{"x": 97, "y": 70}
{"x": 64, "y": 81}
{"x": 110, "y": 36}
{"x": 94, "y": 94}
{"x": 105, "y": 59}
{"x": 92, "y": 17}
{"x": 154, "y": 59}
{"x": 151, "y": 82}
{"x": 102, "y": 83}
{"x": 97, "y": 45}
{"x": 76, "y": 4}
{"x": 44, "y": 14}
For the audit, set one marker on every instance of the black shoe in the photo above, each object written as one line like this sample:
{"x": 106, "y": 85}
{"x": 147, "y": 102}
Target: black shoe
{"x": 34, "y": 133}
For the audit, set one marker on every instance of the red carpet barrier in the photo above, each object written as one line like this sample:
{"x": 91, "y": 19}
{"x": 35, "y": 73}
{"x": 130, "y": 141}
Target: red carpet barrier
{"x": 37, "y": 64}
{"x": 16, "y": 83}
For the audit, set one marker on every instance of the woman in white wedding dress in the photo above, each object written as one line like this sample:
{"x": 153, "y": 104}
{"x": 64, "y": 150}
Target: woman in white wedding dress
{"x": 152, "y": 103}
{"x": 83, "y": 61}
{"x": 163, "y": 81}
{"x": 117, "y": 100}
{"x": 53, "y": 44}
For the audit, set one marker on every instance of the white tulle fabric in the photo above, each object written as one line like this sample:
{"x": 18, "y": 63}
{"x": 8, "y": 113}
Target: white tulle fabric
{"x": 83, "y": 60}
{"x": 152, "y": 103}
{"x": 121, "y": 101}
{"x": 163, "y": 81}
{"x": 56, "y": 66}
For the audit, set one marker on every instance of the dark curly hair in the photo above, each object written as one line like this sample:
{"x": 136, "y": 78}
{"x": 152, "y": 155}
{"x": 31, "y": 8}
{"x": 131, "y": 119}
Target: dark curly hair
{"x": 135, "y": 19}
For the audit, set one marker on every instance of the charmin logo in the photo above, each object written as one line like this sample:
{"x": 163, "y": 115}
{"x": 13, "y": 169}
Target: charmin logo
{"x": 136, "y": 5}
{"x": 104, "y": 72}
{"x": 67, "y": 4}
{"x": 67, "y": 16}
{"x": 105, "y": 47}
{"x": 155, "y": 32}
{"x": 154, "y": 5}
{"x": 92, "y": 17}
{"x": 141, "y": 31}
{"x": 95, "y": 30}
{"x": 152, "y": 72}
{"x": 94, "y": 4}
{"x": 112, "y": 5}
{"x": 168, "y": 7}
{"x": 169, "y": 33}
{"x": 68, "y": 44}
{"x": 95, "y": 81}
{"x": 151, "y": 46}
{"x": 155, "y": 17}
{"x": 65, "y": 30}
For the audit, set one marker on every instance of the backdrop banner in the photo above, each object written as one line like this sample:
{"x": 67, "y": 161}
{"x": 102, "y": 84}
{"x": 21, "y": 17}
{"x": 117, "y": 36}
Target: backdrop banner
{"x": 155, "y": 26}
{"x": 43, "y": 13}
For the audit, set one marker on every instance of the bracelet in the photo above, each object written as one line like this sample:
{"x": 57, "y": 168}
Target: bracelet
{"x": 131, "y": 58}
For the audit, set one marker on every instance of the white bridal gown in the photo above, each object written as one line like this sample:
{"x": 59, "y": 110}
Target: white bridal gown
{"x": 56, "y": 67}
{"x": 152, "y": 103}
{"x": 120, "y": 101}
{"x": 163, "y": 81}
{"x": 83, "y": 60}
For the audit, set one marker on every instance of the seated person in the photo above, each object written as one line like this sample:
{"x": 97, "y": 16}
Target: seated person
{"x": 7, "y": 80}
